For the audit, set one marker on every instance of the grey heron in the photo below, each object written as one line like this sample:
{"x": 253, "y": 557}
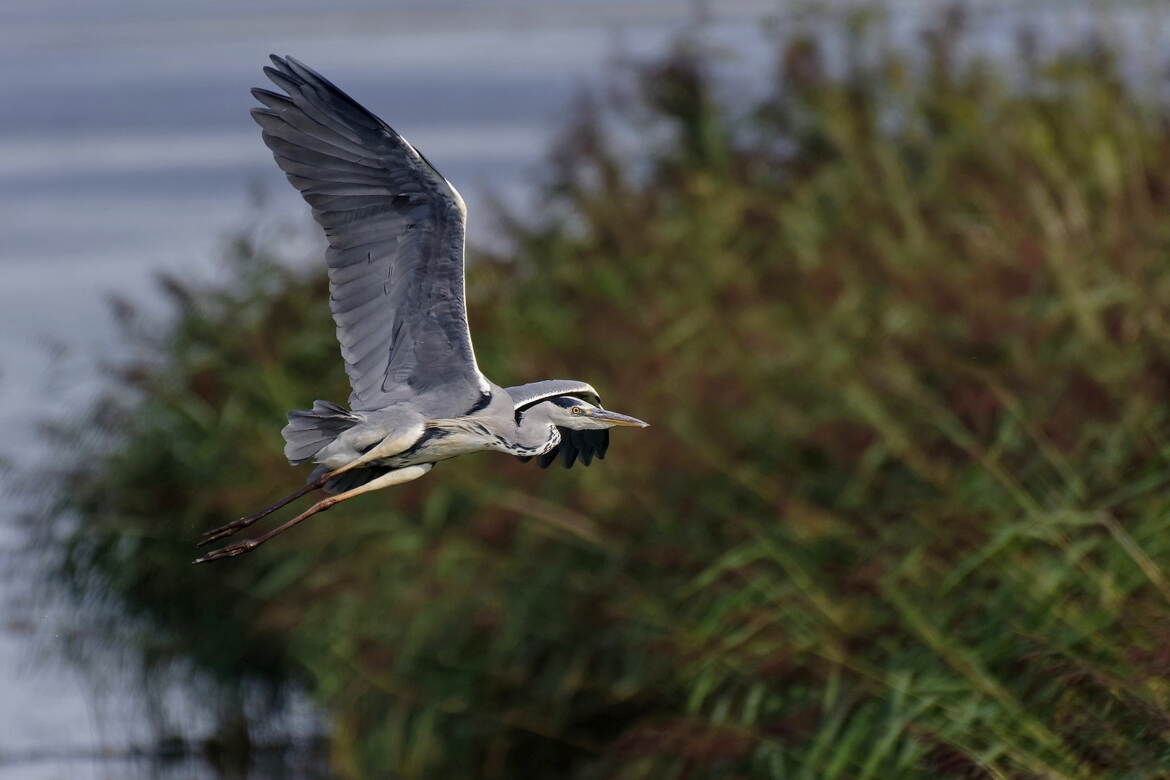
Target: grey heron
{"x": 395, "y": 230}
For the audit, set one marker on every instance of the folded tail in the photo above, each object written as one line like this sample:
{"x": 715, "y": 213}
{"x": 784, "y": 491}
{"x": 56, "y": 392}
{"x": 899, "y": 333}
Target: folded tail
{"x": 310, "y": 431}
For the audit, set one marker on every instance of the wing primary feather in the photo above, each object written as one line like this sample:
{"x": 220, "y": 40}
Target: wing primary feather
{"x": 295, "y": 127}
{"x": 331, "y": 94}
{"x": 547, "y": 458}
{"x": 586, "y": 446}
{"x": 273, "y": 100}
{"x": 310, "y": 155}
{"x": 568, "y": 451}
{"x": 294, "y": 87}
{"x": 327, "y": 173}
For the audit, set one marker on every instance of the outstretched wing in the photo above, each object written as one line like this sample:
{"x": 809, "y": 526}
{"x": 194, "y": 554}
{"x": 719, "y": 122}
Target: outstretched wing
{"x": 585, "y": 445}
{"x": 395, "y": 228}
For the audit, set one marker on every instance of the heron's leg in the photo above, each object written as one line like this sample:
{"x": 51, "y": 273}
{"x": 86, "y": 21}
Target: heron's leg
{"x": 244, "y": 522}
{"x": 386, "y": 448}
{"x": 396, "y": 477}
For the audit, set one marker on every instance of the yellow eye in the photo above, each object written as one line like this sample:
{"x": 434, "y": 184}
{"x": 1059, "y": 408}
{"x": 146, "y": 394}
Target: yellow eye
{"x": 577, "y": 410}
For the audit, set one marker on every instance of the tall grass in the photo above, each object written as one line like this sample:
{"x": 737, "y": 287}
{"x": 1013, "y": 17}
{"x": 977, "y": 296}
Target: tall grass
{"x": 904, "y": 336}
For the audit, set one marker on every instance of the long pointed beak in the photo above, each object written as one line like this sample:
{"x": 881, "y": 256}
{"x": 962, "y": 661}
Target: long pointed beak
{"x": 613, "y": 418}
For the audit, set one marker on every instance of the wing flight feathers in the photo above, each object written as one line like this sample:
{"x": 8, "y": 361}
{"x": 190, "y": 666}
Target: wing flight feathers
{"x": 395, "y": 228}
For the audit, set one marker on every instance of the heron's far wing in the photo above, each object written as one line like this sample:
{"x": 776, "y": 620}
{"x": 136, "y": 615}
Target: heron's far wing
{"x": 395, "y": 228}
{"x": 577, "y": 444}
{"x": 584, "y": 445}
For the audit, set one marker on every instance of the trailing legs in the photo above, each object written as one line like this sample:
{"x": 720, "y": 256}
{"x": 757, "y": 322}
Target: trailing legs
{"x": 396, "y": 477}
{"x": 390, "y": 446}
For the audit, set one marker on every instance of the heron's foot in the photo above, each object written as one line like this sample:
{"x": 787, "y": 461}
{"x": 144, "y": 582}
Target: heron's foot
{"x": 226, "y": 530}
{"x": 231, "y": 551}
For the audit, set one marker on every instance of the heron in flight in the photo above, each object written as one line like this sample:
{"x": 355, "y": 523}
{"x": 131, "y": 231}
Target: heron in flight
{"x": 395, "y": 229}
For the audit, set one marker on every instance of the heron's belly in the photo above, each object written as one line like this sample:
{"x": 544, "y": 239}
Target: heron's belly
{"x": 435, "y": 449}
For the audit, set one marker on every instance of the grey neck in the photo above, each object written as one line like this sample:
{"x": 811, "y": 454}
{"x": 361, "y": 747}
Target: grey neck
{"x": 535, "y": 434}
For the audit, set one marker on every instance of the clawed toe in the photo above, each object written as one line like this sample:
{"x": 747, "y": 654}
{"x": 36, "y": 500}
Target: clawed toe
{"x": 224, "y": 530}
{"x": 230, "y": 551}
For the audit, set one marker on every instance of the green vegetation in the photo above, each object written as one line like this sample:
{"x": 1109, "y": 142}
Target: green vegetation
{"x": 904, "y": 337}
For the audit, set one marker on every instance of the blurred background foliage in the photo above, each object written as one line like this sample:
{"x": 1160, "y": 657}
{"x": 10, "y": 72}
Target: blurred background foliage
{"x": 902, "y": 327}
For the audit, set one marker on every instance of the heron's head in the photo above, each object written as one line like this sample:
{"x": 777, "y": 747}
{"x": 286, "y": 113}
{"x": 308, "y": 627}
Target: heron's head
{"x": 568, "y": 411}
